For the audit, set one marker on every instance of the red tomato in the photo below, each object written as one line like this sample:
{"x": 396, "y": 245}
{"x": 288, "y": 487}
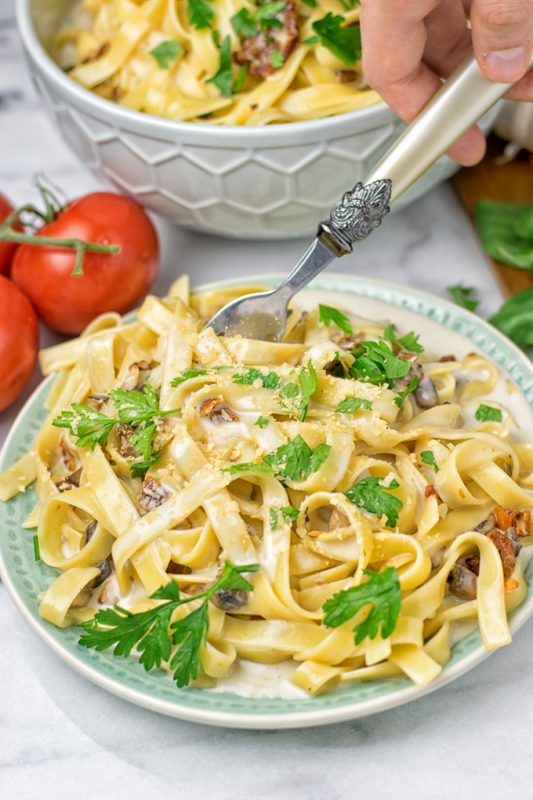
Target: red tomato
{"x": 19, "y": 341}
{"x": 110, "y": 282}
{"x": 7, "y": 249}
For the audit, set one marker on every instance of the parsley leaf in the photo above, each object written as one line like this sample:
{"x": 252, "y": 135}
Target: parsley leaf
{"x": 251, "y": 375}
{"x": 295, "y": 460}
{"x": 345, "y": 43}
{"x": 369, "y": 494}
{"x": 400, "y": 397}
{"x": 200, "y": 14}
{"x": 243, "y": 24}
{"x": 506, "y": 232}
{"x": 149, "y": 631}
{"x": 289, "y": 512}
{"x": 374, "y": 362}
{"x": 90, "y": 426}
{"x": 308, "y": 386}
{"x": 248, "y": 466}
{"x": 36, "y": 549}
{"x": 408, "y": 342}
{"x": 427, "y": 457}
{"x": 167, "y": 52}
{"x": 381, "y": 591}
{"x": 277, "y": 59}
{"x": 488, "y": 414}
{"x": 242, "y": 74}
{"x": 464, "y": 296}
{"x": 328, "y": 314}
{"x": 261, "y": 422}
{"x": 142, "y": 439}
{"x": 138, "y": 469}
{"x": 274, "y": 519}
{"x": 266, "y": 15}
{"x": 186, "y": 375}
{"x": 352, "y": 404}
{"x": 223, "y": 77}
{"x": 349, "y": 4}
{"x": 289, "y": 390}
{"x": 310, "y": 3}
{"x": 515, "y": 318}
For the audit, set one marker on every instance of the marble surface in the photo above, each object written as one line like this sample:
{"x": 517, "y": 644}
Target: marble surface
{"x": 63, "y": 737}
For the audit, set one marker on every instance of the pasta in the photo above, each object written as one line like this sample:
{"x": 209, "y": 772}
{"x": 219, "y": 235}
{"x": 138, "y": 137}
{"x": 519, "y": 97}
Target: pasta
{"x": 331, "y": 501}
{"x": 228, "y": 62}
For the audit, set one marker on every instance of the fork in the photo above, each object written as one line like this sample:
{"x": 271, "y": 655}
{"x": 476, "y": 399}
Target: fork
{"x": 462, "y": 100}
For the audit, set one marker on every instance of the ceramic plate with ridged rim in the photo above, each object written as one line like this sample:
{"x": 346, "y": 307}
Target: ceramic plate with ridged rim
{"x": 24, "y": 578}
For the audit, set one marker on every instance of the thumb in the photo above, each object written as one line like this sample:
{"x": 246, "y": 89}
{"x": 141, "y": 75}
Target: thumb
{"x": 502, "y": 33}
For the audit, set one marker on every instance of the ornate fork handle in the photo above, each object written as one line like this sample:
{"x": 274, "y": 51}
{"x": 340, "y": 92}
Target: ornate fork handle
{"x": 355, "y": 216}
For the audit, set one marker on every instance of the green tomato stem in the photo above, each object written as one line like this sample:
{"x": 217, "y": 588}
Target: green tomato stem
{"x": 8, "y": 234}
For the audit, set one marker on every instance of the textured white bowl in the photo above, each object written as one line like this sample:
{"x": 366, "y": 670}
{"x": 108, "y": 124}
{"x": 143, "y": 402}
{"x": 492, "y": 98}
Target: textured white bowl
{"x": 268, "y": 182}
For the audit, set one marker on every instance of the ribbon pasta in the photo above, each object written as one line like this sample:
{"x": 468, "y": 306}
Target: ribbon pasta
{"x": 108, "y": 47}
{"x": 462, "y": 493}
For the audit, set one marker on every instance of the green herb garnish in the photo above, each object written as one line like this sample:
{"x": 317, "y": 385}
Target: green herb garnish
{"x": 427, "y": 457}
{"x": 289, "y": 390}
{"x": 464, "y": 296}
{"x": 400, "y": 397}
{"x": 352, "y": 404}
{"x": 243, "y": 24}
{"x": 370, "y": 494}
{"x": 261, "y": 422}
{"x": 328, "y": 314}
{"x": 151, "y": 632}
{"x": 374, "y": 362}
{"x": 381, "y": 591}
{"x": 408, "y": 342}
{"x": 88, "y": 425}
{"x": 223, "y": 77}
{"x": 251, "y": 375}
{"x": 515, "y": 318}
{"x": 277, "y": 59}
{"x": 345, "y": 43}
{"x": 308, "y": 386}
{"x": 295, "y": 460}
{"x": 242, "y": 74}
{"x": 167, "y": 52}
{"x": 186, "y": 375}
{"x": 486, "y": 413}
{"x": 36, "y": 548}
{"x": 200, "y": 14}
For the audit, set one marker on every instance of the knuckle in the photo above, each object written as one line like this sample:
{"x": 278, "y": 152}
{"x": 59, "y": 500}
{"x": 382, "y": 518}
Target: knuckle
{"x": 498, "y": 14}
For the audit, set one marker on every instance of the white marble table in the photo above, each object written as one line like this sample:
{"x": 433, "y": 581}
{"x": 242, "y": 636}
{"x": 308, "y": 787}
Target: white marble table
{"x": 61, "y": 737}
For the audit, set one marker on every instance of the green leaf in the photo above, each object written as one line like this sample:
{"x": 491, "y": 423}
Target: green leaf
{"x": 36, "y": 549}
{"x": 170, "y": 591}
{"x": 506, "y": 232}
{"x": 486, "y": 413}
{"x": 427, "y": 457}
{"x": 277, "y": 59}
{"x": 464, "y": 296}
{"x": 248, "y": 466}
{"x": 289, "y": 512}
{"x": 232, "y": 578}
{"x": 90, "y": 426}
{"x": 266, "y": 15}
{"x": 349, "y": 4}
{"x": 251, "y": 375}
{"x": 381, "y": 591}
{"x": 242, "y": 74}
{"x": 138, "y": 469}
{"x": 310, "y": 3}
{"x": 408, "y": 342}
{"x": 312, "y": 40}
{"x": 135, "y": 407}
{"x": 243, "y": 24}
{"x": 369, "y": 494}
{"x": 200, "y": 14}
{"x": 515, "y": 318}
{"x": 345, "y": 43}
{"x": 167, "y": 52}
{"x": 142, "y": 439}
{"x": 186, "y": 375}
{"x": 188, "y": 634}
{"x": 273, "y": 518}
{"x": 261, "y": 422}
{"x": 295, "y": 460}
{"x": 308, "y": 386}
{"x": 328, "y": 314}
{"x": 374, "y": 362}
{"x": 289, "y": 390}
{"x": 223, "y": 77}
{"x": 400, "y": 397}
{"x": 352, "y": 404}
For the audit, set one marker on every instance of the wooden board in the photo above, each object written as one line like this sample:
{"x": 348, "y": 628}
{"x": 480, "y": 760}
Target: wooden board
{"x": 508, "y": 183}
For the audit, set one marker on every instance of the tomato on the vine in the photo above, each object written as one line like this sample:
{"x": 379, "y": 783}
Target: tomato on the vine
{"x": 110, "y": 282}
{"x": 19, "y": 341}
{"x": 7, "y": 249}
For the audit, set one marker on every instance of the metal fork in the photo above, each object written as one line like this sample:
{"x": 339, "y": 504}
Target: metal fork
{"x": 461, "y": 101}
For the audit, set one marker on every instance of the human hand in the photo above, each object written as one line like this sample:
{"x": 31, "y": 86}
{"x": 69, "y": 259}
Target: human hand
{"x": 409, "y": 44}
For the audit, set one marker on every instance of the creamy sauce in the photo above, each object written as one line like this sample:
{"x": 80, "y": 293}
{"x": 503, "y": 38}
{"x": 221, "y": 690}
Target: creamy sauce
{"x": 249, "y": 679}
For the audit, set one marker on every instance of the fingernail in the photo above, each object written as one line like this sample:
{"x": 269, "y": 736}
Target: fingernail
{"x": 507, "y": 66}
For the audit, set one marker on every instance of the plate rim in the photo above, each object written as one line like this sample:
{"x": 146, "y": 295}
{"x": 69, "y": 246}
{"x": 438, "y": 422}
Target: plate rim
{"x": 293, "y": 719}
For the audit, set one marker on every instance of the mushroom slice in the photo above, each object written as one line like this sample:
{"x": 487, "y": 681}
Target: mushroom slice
{"x": 462, "y": 581}
{"x": 152, "y": 494}
{"x": 135, "y": 376}
{"x": 230, "y": 599}
{"x": 217, "y": 411}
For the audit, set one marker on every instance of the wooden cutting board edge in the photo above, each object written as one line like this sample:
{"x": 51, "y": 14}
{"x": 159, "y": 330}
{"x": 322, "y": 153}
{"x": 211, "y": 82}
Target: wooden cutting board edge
{"x": 509, "y": 183}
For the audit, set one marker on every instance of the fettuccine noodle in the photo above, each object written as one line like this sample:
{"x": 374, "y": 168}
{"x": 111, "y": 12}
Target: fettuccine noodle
{"x": 461, "y": 489}
{"x": 160, "y": 56}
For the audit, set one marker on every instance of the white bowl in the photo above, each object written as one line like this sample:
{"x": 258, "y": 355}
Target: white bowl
{"x": 269, "y": 182}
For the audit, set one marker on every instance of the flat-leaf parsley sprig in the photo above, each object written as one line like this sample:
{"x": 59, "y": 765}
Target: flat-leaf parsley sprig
{"x": 294, "y": 460}
{"x": 381, "y": 592}
{"x": 152, "y": 633}
{"x": 370, "y": 494}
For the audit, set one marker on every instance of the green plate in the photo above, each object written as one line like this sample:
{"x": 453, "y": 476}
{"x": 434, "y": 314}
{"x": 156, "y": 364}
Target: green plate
{"x": 24, "y": 578}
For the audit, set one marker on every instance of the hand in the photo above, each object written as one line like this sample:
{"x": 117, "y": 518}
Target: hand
{"x": 409, "y": 44}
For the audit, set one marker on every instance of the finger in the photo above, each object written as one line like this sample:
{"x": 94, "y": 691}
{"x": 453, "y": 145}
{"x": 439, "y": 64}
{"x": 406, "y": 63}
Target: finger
{"x": 523, "y": 90}
{"x": 397, "y": 72}
{"x": 448, "y": 39}
{"x": 502, "y": 34}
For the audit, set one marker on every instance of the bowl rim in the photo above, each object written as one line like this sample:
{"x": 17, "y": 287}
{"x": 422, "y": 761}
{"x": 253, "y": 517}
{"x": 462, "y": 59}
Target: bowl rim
{"x": 371, "y": 116}
{"x": 313, "y": 717}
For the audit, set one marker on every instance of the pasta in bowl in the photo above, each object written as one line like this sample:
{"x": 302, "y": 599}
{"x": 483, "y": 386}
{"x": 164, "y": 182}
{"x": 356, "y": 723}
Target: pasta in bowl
{"x": 332, "y": 509}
